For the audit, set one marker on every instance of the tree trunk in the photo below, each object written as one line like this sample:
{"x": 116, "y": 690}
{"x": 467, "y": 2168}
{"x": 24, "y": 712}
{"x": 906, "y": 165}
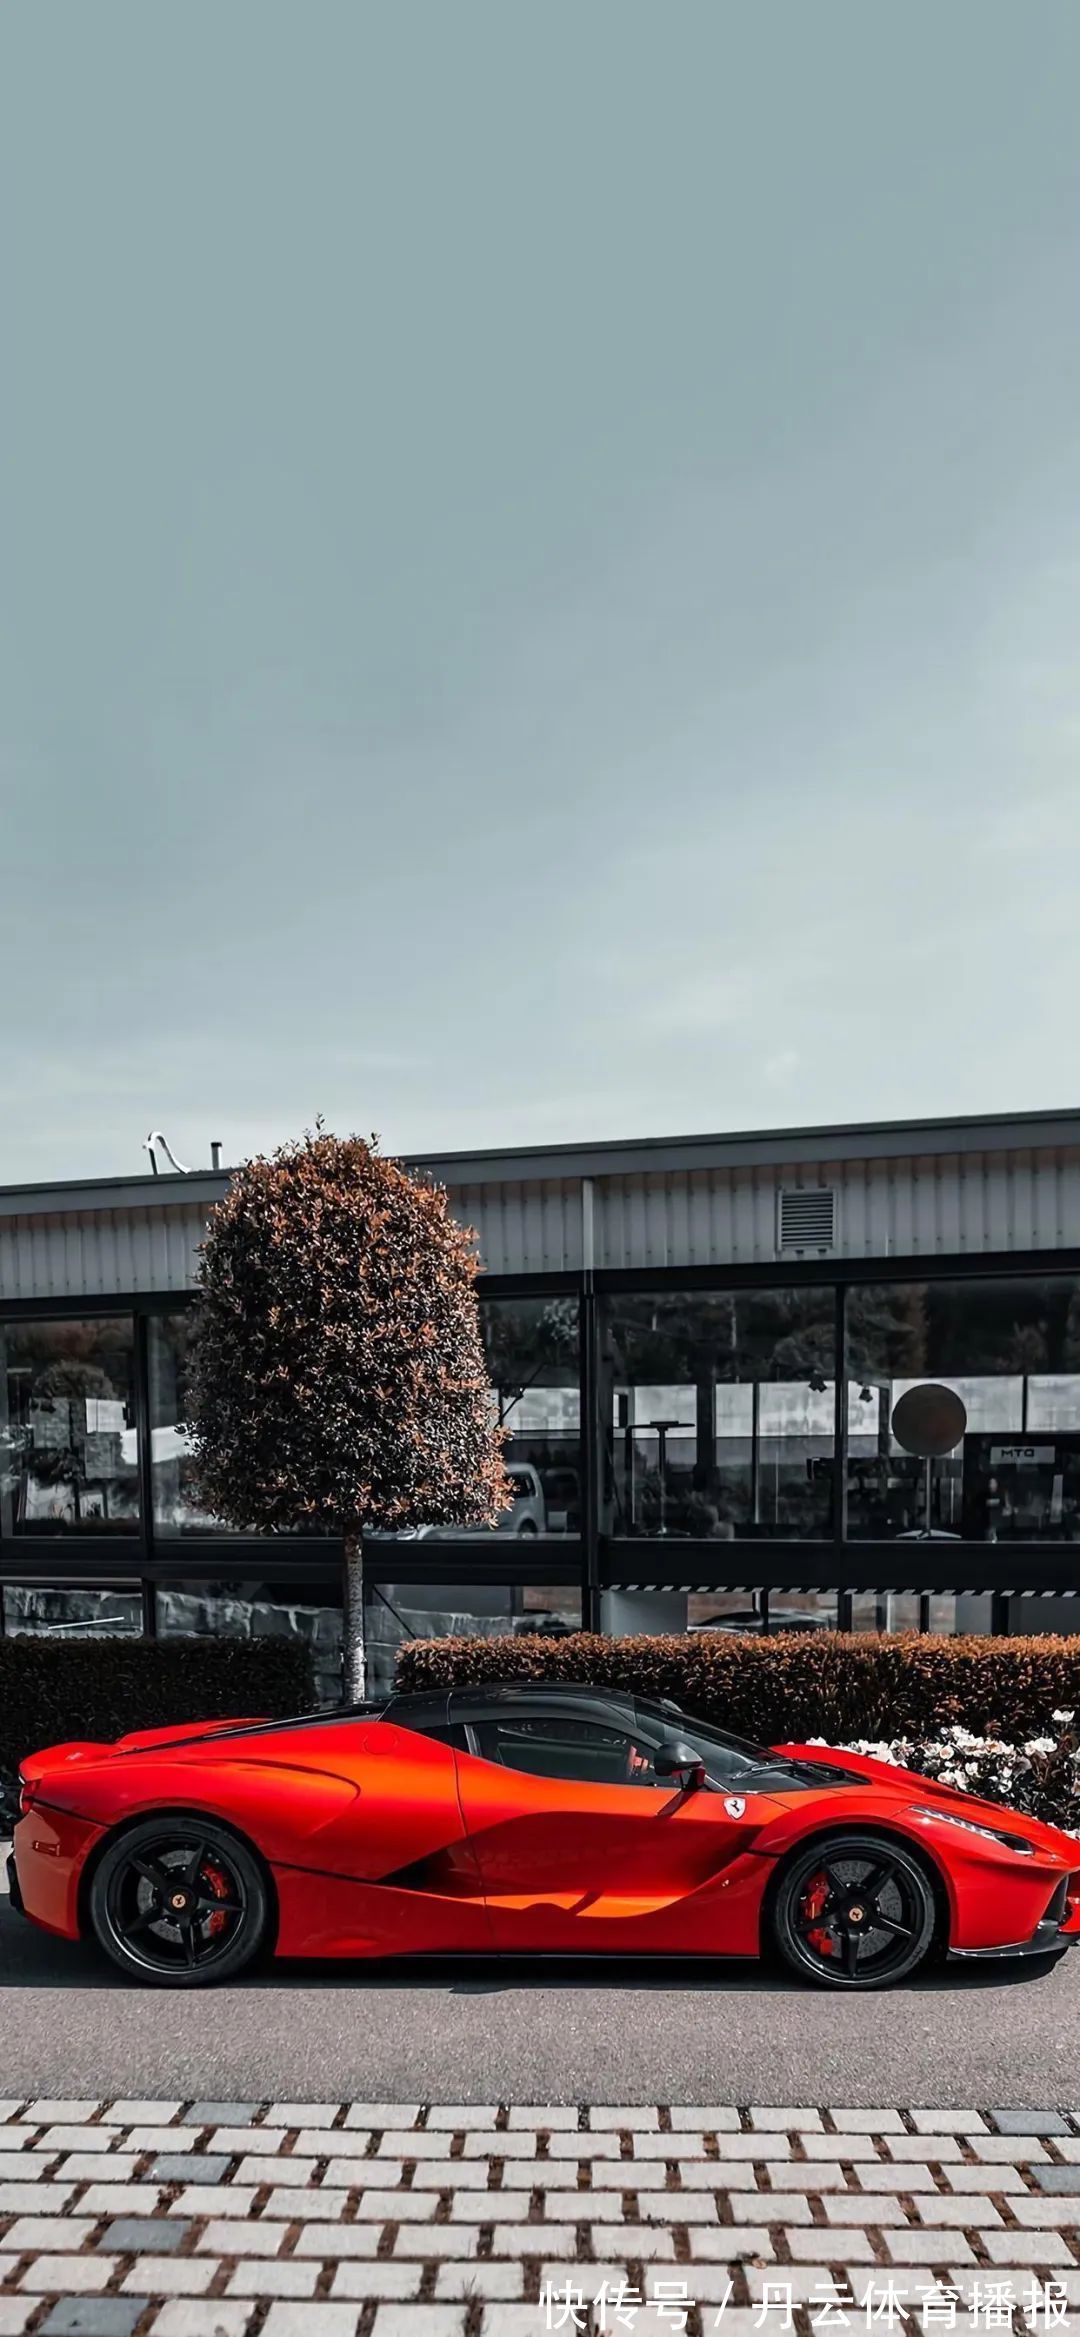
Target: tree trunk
{"x": 353, "y": 1653}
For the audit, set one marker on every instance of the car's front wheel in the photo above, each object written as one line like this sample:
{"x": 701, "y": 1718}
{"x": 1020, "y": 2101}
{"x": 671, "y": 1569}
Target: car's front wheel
{"x": 179, "y": 1902}
{"x": 854, "y": 1911}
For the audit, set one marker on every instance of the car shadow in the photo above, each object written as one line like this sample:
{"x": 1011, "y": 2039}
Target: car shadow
{"x": 32, "y": 1959}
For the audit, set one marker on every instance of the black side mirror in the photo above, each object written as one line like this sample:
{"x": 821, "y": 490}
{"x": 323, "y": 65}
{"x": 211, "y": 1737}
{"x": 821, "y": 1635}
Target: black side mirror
{"x": 675, "y": 1758}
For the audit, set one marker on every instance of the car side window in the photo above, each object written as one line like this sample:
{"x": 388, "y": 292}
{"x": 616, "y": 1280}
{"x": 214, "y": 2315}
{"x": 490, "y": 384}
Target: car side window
{"x": 445, "y": 1732}
{"x": 551, "y": 1745}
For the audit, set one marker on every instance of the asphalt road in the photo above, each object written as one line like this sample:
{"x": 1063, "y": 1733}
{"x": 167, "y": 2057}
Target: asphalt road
{"x": 989, "y": 2037}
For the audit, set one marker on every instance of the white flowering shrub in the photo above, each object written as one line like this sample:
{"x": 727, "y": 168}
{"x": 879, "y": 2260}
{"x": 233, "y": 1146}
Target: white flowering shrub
{"x": 1040, "y": 1776}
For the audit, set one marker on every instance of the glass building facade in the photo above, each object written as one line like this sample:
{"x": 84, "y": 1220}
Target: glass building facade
{"x": 696, "y": 1445}
{"x": 705, "y": 1457}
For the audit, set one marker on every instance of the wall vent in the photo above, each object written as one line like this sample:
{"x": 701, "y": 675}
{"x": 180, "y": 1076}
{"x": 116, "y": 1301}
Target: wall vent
{"x": 806, "y": 1222}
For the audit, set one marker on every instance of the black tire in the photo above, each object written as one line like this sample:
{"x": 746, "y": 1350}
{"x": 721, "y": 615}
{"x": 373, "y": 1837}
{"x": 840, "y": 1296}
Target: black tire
{"x": 179, "y": 1902}
{"x": 854, "y": 1911}
{"x": 527, "y": 1530}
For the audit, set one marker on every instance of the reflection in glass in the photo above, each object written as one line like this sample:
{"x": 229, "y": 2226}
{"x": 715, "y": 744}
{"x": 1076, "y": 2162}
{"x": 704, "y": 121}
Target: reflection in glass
{"x": 396, "y": 1612}
{"x": 68, "y": 1459}
{"x": 737, "y": 1611}
{"x": 33, "y": 1610}
{"x": 307, "y": 1608}
{"x": 903, "y": 1611}
{"x": 177, "y": 1505}
{"x": 1011, "y": 1349}
{"x": 177, "y": 1509}
{"x": 1053, "y": 1400}
{"x": 531, "y": 1348}
{"x": 1030, "y": 1614}
{"x": 721, "y": 1413}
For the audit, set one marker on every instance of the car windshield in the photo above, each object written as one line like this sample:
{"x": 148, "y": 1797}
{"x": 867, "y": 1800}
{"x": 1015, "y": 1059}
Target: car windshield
{"x": 726, "y": 1756}
{"x": 723, "y": 1754}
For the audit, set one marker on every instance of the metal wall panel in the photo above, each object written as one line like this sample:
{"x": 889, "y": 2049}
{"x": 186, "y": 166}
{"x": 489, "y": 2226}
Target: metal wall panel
{"x": 99, "y": 1254}
{"x": 858, "y": 1209}
{"x": 925, "y": 1205}
{"x": 531, "y": 1228}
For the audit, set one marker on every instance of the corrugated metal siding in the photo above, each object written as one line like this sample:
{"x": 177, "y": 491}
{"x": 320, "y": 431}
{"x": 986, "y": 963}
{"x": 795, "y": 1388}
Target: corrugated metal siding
{"x": 943, "y": 1205}
{"x": 95, "y": 1255}
{"x": 924, "y": 1206}
{"x": 524, "y": 1228}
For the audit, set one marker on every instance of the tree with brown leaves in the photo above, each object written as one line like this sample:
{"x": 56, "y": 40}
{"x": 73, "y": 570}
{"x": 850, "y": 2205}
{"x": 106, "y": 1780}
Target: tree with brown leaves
{"x": 338, "y": 1375}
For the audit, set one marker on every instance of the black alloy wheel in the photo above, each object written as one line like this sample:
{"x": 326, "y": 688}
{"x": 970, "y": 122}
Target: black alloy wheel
{"x": 179, "y": 1902}
{"x": 855, "y": 1911}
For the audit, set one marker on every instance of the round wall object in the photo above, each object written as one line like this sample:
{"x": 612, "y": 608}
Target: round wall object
{"x": 929, "y": 1421}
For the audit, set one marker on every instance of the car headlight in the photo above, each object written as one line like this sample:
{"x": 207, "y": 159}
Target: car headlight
{"x": 972, "y": 1826}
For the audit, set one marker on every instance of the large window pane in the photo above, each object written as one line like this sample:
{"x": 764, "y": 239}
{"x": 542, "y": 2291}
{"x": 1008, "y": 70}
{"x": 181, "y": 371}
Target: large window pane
{"x": 720, "y": 1412}
{"x": 1011, "y": 1350}
{"x": 307, "y": 1608}
{"x": 177, "y": 1508}
{"x": 68, "y": 1460}
{"x": 531, "y": 1347}
{"x": 68, "y": 1611}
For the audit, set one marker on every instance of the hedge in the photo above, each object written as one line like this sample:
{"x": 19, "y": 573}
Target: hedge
{"x": 789, "y": 1686}
{"x": 53, "y": 1690}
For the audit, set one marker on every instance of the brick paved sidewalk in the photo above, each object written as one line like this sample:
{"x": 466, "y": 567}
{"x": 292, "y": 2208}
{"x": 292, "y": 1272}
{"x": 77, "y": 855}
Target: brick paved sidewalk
{"x": 234, "y": 2219}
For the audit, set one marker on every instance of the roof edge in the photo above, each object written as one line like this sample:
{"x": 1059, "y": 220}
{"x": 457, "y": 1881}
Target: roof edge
{"x": 611, "y": 1157}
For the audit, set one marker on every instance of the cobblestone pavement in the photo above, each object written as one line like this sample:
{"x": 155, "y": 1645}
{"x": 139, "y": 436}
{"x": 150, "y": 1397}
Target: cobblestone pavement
{"x": 361, "y": 2219}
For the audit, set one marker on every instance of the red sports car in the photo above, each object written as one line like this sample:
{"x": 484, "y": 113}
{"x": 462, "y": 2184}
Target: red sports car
{"x": 522, "y": 1820}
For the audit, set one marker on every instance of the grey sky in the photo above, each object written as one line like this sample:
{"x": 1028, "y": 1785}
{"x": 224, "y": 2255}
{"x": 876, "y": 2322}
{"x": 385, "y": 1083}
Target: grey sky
{"x": 540, "y": 568}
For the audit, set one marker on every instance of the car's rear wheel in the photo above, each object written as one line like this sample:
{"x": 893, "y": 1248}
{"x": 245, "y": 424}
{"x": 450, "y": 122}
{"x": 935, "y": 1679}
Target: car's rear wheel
{"x": 854, "y": 1911}
{"x": 179, "y": 1902}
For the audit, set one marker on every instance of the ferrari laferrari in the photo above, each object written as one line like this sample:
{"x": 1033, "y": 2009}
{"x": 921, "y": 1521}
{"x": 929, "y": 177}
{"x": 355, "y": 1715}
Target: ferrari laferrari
{"x": 522, "y": 1820}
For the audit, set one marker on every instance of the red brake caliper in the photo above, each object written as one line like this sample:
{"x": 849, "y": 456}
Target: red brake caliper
{"x": 219, "y": 1885}
{"x": 813, "y": 1902}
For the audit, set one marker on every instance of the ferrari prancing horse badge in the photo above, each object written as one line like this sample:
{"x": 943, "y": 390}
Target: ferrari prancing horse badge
{"x": 735, "y": 1805}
